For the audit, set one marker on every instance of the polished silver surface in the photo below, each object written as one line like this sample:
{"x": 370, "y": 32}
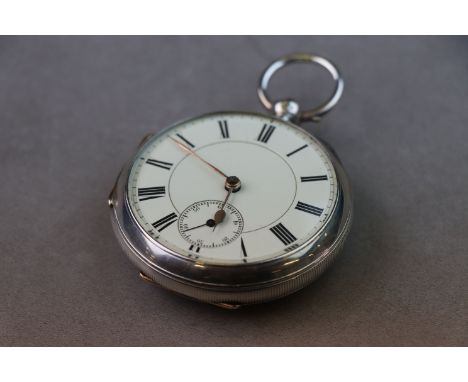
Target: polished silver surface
{"x": 289, "y": 109}
{"x": 241, "y": 284}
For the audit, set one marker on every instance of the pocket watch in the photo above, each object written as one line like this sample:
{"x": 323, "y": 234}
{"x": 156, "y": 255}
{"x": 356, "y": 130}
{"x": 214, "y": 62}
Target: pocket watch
{"x": 236, "y": 208}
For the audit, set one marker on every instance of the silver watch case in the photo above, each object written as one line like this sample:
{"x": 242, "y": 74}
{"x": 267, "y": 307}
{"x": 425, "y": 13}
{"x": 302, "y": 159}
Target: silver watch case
{"x": 231, "y": 285}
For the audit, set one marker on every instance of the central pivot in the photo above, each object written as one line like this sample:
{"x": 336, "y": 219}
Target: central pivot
{"x": 232, "y": 183}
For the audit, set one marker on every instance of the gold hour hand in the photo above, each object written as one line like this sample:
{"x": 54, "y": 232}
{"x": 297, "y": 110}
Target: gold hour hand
{"x": 232, "y": 184}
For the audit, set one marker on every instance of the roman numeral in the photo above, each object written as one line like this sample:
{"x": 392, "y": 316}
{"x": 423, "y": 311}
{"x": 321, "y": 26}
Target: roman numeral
{"x": 308, "y": 208}
{"x": 295, "y": 151}
{"x": 159, "y": 163}
{"x": 197, "y": 249}
{"x": 223, "y": 126}
{"x": 283, "y": 234}
{"x": 313, "y": 178}
{"x": 244, "y": 252}
{"x": 266, "y": 132}
{"x": 186, "y": 141}
{"x": 147, "y": 193}
{"x": 165, "y": 221}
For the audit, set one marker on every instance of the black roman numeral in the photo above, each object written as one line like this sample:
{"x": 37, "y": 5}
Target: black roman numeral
{"x": 147, "y": 193}
{"x": 194, "y": 248}
{"x": 223, "y": 126}
{"x": 283, "y": 234}
{"x": 308, "y": 208}
{"x": 186, "y": 141}
{"x": 244, "y": 252}
{"x": 313, "y": 178}
{"x": 165, "y": 221}
{"x": 159, "y": 163}
{"x": 266, "y": 132}
{"x": 295, "y": 151}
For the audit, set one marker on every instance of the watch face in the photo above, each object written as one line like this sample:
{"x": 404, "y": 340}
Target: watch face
{"x": 280, "y": 192}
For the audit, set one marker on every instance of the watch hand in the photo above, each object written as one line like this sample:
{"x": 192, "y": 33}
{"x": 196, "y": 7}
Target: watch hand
{"x": 209, "y": 223}
{"x": 220, "y": 214}
{"x": 190, "y": 151}
{"x": 232, "y": 184}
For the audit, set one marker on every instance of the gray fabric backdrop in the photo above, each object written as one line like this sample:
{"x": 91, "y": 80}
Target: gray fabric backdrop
{"x": 73, "y": 109}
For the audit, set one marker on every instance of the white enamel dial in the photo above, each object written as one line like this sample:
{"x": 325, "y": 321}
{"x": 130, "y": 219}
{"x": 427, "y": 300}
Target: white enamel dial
{"x": 288, "y": 188}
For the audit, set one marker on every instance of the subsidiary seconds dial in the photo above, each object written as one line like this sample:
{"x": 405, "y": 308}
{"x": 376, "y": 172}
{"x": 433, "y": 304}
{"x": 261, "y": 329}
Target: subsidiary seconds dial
{"x": 198, "y": 227}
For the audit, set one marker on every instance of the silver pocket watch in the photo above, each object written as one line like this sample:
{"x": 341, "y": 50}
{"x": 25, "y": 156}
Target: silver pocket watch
{"x": 235, "y": 208}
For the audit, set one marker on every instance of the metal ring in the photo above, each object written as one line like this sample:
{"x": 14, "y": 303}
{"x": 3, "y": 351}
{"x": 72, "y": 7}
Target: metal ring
{"x": 289, "y": 109}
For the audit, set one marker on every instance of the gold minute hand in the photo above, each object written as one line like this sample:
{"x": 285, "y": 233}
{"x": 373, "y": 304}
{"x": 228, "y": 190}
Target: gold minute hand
{"x": 190, "y": 151}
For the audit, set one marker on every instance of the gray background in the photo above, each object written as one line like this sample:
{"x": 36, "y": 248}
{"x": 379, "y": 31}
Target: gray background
{"x": 73, "y": 109}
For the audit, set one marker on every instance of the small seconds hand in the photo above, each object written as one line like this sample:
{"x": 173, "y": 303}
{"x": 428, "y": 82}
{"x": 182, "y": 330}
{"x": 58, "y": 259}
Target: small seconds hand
{"x": 209, "y": 223}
